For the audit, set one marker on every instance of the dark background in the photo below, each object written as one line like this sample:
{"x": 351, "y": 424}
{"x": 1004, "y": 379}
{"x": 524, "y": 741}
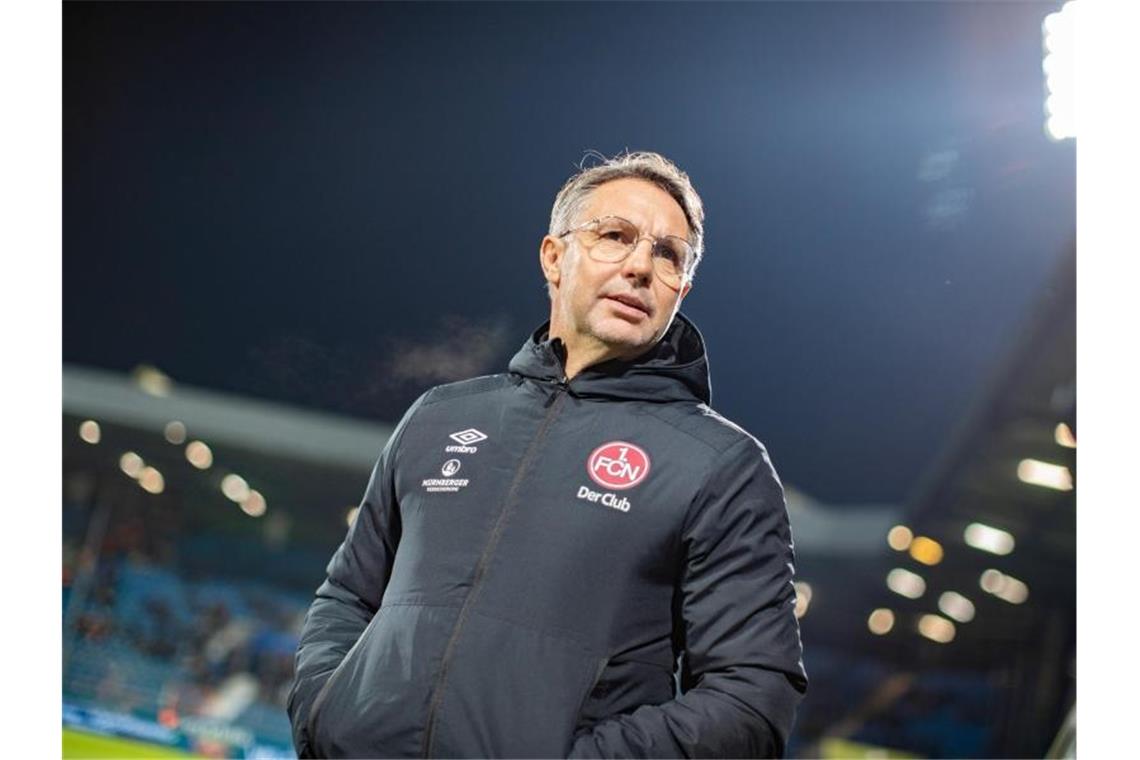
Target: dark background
{"x": 337, "y": 205}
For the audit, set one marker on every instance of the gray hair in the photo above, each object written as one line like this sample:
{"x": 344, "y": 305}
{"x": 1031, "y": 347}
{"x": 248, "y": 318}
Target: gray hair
{"x": 652, "y": 167}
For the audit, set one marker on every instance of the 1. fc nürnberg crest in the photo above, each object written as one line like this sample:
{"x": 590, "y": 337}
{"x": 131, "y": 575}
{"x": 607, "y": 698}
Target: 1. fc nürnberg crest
{"x": 618, "y": 464}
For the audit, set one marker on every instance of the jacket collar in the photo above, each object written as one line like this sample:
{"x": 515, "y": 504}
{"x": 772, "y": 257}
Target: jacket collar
{"x": 675, "y": 369}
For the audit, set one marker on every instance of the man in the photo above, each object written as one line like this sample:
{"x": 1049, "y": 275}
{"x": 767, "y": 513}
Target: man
{"x": 577, "y": 557}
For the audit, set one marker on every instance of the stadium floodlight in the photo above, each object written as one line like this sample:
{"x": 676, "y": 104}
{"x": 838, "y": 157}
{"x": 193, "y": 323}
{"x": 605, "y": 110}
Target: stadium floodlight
{"x": 175, "y": 432}
{"x": 1059, "y": 65}
{"x": 956, "y": 606}
{"x": 1013, "y": 591}
{"x": 803, "y": 598}
{"x": 1039, "y": 473}
{"x": 1004, "y": 587}
{"x": 254, "y": 504}
{"x": 235, "y": 488}
{"x": 1051, "y": 23}
{"x": 152, "y": 380}
{"x": 881, "y": 621}
{"x": 199, "y": 455}
{"x": 151, "y": 480}
{"x": 132, "y": 464}
{"x": 1060, "y": 127}
{"x": 899, "y": 538}
{"x": 992, "y": 581}
{"x": 350, "y": 516}
{"x": 90, "y": 432}
{"x": 936, "y": 628}
{"x": 1063, "y": 435}
{"x": 926, "y": 550}
{"x": 988, "y": 539}
{"x": 905, "y": 583}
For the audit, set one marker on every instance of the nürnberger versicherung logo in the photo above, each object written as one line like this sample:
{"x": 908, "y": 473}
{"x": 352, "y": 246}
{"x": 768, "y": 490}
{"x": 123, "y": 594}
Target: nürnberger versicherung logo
{"x": 447, "y": 483}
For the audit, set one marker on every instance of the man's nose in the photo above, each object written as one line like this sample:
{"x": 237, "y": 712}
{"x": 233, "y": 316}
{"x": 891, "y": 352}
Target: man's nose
{"x": 639, "y": 263}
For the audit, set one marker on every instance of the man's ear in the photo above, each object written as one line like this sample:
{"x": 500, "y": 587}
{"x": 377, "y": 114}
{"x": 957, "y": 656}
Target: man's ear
{"x": 685, "y": 290}
{"x": 550, "y": 253}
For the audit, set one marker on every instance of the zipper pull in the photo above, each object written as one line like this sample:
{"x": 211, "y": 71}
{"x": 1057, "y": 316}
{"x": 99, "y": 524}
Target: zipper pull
{"x": 559, "y": 387}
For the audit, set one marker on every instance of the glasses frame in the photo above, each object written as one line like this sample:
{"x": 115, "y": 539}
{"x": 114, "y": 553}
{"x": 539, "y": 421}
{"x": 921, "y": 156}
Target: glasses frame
{"x": 654, "y": 240}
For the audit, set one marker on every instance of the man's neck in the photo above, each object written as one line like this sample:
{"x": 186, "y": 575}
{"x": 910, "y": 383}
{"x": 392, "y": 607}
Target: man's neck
{"x": 582, "y": 352}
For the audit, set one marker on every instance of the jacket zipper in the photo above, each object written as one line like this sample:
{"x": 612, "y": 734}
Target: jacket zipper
{"x": 551, "y": 404}
{"x": 559, "y": 386}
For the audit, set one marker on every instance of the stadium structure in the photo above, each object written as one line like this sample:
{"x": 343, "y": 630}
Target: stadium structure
{"x": 196, "y": 526}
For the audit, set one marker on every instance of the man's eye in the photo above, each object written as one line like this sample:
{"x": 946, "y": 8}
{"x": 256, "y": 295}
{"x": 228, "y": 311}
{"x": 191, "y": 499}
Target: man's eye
{"x": 668, "y": 253}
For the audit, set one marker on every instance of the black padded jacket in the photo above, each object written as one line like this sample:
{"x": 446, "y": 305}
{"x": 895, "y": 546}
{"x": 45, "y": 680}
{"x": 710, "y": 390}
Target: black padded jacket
{"x": 540, "y": 568}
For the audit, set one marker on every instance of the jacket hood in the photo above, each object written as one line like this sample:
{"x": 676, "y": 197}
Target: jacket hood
{"x": 675, "y": 369}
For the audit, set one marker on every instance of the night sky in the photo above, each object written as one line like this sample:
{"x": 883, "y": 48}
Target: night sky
{"x": 338, "y": 205}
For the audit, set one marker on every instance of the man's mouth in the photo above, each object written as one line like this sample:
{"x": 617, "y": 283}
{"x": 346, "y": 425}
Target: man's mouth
{"x": 632, "y": 303}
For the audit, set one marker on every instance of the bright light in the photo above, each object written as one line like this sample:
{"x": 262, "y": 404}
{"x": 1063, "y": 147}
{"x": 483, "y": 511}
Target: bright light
{"x": 350, "y": 517}
{"x": 1054, "y": 81}
{"x": 1053, "y": 43}
{"x": 152, "y": 380}
{"x": 131, "y": 463}
{"x": 906, "y": 583}
{"x": 1059, "y": 36}
{"x": 1040, "y": 473}
{"x": 199, "y": 455}
{"x": 881, "y": 621}
{"x": 90, "y": 432}
{"x": 1004, "y": 587}
{"x": 988, "y": 539}
{"x": 151, "y": 480}
{"x": 235, "y": 488}
{"x": 1063, "y": 435}
{"x": 956, "y": 606}
{"x": 803, "y": 598}
{"x": 992, "y": 581}
{"x": 899, "y": 538}
{"x": 1058, "y": 127}
{"x": 1014, "y": 591}
{"x": 926, "y": 550}
{"x": 936, "y": 628}
{"x": 254, "y": 504}
{"x": 175, "y": 432}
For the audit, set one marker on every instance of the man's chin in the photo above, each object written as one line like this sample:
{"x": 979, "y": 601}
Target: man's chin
{"x": 624, "y": 338}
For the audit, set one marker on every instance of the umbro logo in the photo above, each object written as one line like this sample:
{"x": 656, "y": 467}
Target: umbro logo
{"x": 465, "y": 438}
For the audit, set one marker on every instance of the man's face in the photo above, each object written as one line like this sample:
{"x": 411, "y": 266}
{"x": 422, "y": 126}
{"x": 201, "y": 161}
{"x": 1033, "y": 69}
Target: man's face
{"x": 620, "y": 308}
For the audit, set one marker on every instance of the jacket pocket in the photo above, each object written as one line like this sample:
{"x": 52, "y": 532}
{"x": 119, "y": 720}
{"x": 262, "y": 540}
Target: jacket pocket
{"x": 375, "y": 702}
{"x": 318, "y": 701}
{"x": 622, "y": 687}
{"x": 512, "y": 691}
{"x": 326, "y": 687}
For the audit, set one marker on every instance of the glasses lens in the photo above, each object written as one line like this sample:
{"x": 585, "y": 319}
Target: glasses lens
{"x": 614, "y": 239}
{"x": 671, "y": 257}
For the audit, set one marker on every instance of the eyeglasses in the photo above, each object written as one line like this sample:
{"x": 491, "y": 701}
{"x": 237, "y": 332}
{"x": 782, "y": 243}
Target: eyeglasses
{"x": 611, "y": 239}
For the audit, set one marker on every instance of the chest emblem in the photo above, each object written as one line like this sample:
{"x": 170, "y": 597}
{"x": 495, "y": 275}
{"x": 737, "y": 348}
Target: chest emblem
{"x": 463, "y": 440}
{"x": 446, "y": 484}
{"x": 618, "y": 465}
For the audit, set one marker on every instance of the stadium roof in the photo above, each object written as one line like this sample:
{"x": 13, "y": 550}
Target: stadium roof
{"x": 273, "y": 428}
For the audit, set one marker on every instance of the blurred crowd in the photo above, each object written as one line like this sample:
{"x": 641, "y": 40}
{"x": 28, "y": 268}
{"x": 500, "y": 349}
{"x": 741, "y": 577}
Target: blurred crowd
{"x": 142, "y": 637}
